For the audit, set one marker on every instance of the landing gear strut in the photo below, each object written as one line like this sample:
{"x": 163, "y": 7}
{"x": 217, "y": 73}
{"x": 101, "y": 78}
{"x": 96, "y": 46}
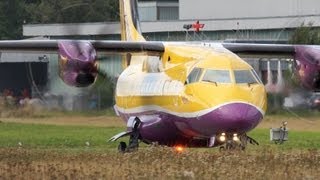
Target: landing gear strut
{"x": 244, "y": 139}
{"x": 234, "y": 143}
{"x": 133, "y": 140}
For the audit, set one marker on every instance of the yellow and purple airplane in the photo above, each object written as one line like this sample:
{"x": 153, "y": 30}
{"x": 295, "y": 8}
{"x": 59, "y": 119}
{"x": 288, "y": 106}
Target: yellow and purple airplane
{"x": 177, "y": 93}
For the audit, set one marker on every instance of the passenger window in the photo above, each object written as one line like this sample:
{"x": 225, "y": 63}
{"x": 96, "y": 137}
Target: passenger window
{"x": 244, "y": 76}
{"x": 217, "y": 76}
{"x": 194, "y": 76}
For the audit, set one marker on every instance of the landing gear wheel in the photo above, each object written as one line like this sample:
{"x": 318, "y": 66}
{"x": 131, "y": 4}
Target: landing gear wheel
{"x": 222, "y": 148}
{"x": 122, "y": 147}
{"x": 229, "y": 145}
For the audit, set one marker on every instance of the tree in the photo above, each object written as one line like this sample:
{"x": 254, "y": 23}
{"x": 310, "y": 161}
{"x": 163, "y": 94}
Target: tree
{"x": 14, "y": 13}
{"x": 72, "y": 11}
{"x": 103, "y": 89}
{"x": 305, "y": 34}
{"x": 12, "y": 16}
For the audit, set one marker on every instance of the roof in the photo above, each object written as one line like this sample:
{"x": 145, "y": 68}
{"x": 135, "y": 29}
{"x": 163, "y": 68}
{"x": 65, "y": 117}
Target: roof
{"x": 22, "y": 57}
{"x": 111, "y": 28}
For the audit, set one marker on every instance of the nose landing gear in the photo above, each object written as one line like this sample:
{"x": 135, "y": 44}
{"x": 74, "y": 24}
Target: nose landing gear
{"x": 233, "y": 142}
{"x": 133, "y": 140}
{"x": 133, "y": 132}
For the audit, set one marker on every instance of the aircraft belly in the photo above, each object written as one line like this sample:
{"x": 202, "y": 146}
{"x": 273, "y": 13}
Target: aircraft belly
{"x": 158, "y": 127}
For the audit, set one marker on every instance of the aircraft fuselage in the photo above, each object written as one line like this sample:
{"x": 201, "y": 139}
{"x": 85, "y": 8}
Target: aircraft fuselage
{"x": 193, "y": 96}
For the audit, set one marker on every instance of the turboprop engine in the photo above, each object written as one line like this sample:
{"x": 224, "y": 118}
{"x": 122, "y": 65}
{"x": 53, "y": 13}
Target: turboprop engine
{"x": 77, "y": 63}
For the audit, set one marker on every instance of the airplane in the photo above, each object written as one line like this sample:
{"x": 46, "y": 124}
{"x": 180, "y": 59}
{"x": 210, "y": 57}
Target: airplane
{"x": 191, "y": 94}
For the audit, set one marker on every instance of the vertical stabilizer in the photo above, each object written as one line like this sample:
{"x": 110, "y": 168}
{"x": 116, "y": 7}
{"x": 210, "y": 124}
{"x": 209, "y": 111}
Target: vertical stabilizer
{"x": 129, "y": 18}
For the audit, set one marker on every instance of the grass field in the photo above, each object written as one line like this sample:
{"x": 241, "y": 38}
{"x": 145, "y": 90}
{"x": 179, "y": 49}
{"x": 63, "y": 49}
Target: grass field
{"x": 75, "y": 147}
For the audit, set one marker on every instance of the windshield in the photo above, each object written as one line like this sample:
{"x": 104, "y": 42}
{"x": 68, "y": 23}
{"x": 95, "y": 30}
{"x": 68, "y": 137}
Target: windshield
{"x": 217, "y": 76}
{"x": 244, "y": 76}
{"x": 256, "y": 75}
{"x": 195, "y": 74}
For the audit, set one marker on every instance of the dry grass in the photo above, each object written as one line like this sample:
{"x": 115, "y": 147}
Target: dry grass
{"x": 159, "y": 163}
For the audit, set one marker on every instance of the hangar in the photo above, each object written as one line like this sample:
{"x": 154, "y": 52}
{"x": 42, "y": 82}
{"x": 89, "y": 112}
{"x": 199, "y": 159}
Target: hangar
{"x": 23, "y": 75}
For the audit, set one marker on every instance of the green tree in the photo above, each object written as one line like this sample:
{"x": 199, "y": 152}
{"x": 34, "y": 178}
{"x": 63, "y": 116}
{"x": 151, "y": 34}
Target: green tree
{"x": 13, "y": 13}
{"x": 72, "y": 11}
{"x": 305, "y": 34}
{"x": 103, "y": 90}
{"x": 12, "y": 16}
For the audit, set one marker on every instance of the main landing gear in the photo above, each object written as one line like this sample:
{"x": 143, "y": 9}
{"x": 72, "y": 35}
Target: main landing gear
{"x": 133, "y": 131}
{"x": 235, "y": 142}
{"x": 133, "y": 140}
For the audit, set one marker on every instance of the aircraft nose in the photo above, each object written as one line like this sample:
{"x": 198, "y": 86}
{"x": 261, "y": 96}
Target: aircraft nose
{"x": 233, "y": 117}
{"x": 238, "y": 117}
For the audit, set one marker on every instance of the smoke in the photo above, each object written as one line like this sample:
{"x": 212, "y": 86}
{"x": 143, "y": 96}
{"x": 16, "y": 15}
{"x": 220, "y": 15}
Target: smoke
{"x": 59, "y": 95}
{"x": 297, "y": 99}
{"x": 279, "y": 86}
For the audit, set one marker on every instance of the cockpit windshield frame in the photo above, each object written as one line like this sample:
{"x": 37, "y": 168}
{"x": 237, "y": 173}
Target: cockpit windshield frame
{"x": 194, "y": 75}
{"x": 246, "y": 76}
{"x": 223, "y": 76}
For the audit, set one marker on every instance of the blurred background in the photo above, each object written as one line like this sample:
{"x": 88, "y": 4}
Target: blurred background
{"x": 32, "y": 79}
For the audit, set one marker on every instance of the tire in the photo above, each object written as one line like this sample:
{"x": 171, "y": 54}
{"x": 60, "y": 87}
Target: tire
{"x": 122, "y": 147}
{"x": 222, "y": 148}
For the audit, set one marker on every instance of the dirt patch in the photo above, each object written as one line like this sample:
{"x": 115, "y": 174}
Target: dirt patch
{"x": 294, "y": 123}
{"x": 103, "y": 121}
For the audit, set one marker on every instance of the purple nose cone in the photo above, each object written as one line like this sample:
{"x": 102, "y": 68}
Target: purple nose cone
{"x": 235, "y": 117}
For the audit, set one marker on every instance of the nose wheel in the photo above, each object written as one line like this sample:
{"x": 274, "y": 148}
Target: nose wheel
{"x": 122, "y": 147}
{"x": 238, "y": 144}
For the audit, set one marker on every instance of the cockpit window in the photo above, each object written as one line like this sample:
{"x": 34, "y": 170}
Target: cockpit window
{"x": 195, "y": 74}
{"x": 256, "y": 75}
{"x": 217, "y": 76}
{"x": 244, "y": 76}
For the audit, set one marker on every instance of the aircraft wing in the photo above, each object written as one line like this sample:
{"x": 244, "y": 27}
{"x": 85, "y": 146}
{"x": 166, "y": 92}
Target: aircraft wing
{"x": 53, "y": 46}
{"x": 78, "y": 59}
{"x": 260, "y": 49}
{"x": 306, "y": 58}
{"x": 307, "y": 53}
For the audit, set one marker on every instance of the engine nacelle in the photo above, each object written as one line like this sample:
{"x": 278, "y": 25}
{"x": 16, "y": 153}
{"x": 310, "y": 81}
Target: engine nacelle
{"x": 307, "y": 66}
{"x": 77, "y": 63}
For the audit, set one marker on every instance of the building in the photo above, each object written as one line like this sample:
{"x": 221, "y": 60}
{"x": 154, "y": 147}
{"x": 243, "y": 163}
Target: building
{"x": 230, "y": 19}
{"x": 23, "y": 75}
